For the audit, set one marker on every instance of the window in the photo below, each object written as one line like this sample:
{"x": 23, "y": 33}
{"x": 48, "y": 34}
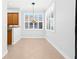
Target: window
{"x": 40, "y": 25}
{"x": 50, "y": 18}
{"x": 31, "y": 23}
{"x": 26, "y": 25}
{"x": 50, "y": 22}
{"x": 36, "y": 25}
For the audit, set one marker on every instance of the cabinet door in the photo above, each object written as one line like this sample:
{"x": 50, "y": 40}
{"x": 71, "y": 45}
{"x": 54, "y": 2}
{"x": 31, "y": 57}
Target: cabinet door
{"x": 9, "y": 37}
{"x": 10, "y": 19}
{"x": 15, "y": 18}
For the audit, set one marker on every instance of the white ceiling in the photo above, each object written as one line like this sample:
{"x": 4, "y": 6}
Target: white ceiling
{"x": 26, "y": 5}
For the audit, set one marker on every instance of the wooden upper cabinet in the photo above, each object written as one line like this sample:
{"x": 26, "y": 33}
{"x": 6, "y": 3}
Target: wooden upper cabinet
{"x": 10, "y": 19}
{"x": 13, "y": 18}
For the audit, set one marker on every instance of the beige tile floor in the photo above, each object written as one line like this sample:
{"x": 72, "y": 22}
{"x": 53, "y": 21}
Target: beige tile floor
{"x": 33, "y": 49}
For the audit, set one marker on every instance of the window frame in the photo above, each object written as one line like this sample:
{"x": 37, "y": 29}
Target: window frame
{"x": 33, "y": 24}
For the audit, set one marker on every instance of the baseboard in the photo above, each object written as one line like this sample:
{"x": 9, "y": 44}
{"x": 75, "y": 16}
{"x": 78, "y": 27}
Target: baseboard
{"x": 61, "y": 52}
{"x": 5, "y": 54}
{"x": 33, "y": 37}
{"x": 13, "y": 43}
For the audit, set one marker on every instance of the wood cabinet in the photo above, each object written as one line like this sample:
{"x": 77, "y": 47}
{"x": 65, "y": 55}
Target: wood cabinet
{"x": 10, "y": 19}
{"x": 13, "y": 18}
{"x": 9, "y": 41}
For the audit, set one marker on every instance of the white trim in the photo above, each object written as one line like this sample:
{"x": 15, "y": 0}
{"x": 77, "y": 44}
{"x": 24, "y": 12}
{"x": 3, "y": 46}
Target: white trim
{"x": 5, "y": 54}
{"x": 50, "y": 30}
{"x": 61, "y": 52}
{"x": 33, "y": 37}
{"x": 13, "y": 43}
{"x": 35, "y": 29}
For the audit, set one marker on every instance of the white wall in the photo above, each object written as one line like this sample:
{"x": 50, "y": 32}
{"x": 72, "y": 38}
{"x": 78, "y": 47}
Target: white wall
{"x": 33, "y": 34}
{"x": 64, "y": 37}
{"x": 4, "y": 28}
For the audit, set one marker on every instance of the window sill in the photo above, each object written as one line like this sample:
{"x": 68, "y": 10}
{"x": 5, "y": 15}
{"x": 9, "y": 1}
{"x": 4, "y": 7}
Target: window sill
{"x": 50, "y": 30}
{"x": 34, "y": 29}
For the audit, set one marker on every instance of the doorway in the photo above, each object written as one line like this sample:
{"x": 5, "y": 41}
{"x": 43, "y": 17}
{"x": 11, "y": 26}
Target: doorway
{"x": 12, "y": 19}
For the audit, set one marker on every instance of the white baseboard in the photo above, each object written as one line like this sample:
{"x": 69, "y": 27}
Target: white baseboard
{"x": 33, "y": 37}
{"x": 5, "y": 54}
{"x": 61, "y": 52}
{"x": 13, "y": 43}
